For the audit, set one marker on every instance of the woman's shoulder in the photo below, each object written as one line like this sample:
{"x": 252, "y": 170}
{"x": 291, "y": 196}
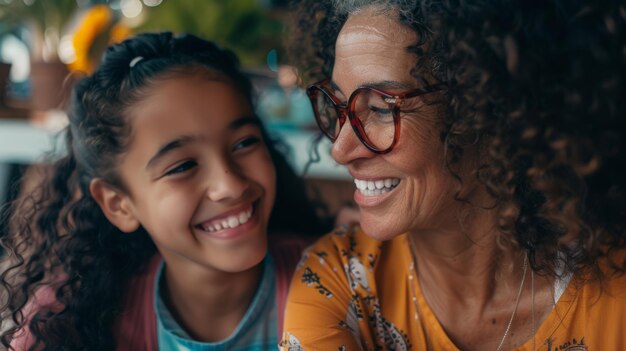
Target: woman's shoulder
{"x": 347, "y": 244}
{"x": 613, "y": 281}
{"x": 347, "y": 239}
{"x": 604, "y": 290}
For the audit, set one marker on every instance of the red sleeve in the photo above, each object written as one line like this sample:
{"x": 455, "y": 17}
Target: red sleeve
{"x": 135, "y": 327}
{"x": 286, "y": 253}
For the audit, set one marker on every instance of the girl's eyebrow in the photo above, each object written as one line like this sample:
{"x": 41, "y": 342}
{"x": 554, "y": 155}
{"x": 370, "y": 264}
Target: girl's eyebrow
{"x": 188, "y": 139}
{"x": 243, "y": 121}
{"x": 170, "y": 146}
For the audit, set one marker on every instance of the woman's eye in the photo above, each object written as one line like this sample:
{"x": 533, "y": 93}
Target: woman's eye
{"x": 247, "y": 142}
{"x": 381, "y": 110}
{"x": 381, "y": 114}
{"x": 183, "y": 167}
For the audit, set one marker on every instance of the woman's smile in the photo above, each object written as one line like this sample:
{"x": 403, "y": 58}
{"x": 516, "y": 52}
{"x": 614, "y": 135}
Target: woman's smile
{"x": 371, "y": 192}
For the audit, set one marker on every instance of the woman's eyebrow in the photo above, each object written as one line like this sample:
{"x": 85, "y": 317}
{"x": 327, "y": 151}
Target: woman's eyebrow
{"x": 389, "y": 85}
{"x": 383, "y": 85}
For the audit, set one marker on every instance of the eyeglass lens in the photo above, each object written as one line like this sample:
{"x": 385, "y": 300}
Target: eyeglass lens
{"x": 374, "y": 114}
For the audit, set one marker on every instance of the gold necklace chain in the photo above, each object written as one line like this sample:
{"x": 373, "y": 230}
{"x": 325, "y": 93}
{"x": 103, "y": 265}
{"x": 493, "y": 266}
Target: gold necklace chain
{"x": 519, "y": 294}
{"x": 413, "y": 274}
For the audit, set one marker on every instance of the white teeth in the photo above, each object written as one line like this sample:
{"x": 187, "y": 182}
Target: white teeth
{"x": 229, "y": 222}
{"x": 233, "y": 221}
{"x": 243, "y": 218}
{"x": 376, "y": 187}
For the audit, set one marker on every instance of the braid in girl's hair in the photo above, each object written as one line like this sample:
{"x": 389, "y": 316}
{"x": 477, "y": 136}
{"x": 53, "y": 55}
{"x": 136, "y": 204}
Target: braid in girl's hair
{"x": 61, "y": 240}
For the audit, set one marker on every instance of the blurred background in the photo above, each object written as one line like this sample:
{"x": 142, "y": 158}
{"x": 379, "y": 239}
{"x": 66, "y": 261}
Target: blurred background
{"x": 46, "y": 45}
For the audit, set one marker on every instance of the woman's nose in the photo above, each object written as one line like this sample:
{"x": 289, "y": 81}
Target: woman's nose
{"x": 348, "y": 147}
{"x": 226, "y": 183}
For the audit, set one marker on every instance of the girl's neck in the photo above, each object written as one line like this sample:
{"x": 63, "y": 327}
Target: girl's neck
{"x": 207, "y": 304}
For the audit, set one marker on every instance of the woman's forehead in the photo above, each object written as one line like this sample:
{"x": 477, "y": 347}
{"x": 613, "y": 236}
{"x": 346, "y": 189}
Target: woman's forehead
{"x": 372, "y": 47}
{"x": 385, "y": 25}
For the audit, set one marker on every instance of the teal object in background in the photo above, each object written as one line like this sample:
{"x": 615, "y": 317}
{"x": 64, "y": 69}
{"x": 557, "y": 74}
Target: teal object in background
{"x": 281, "y": 110}
{"x": 282, "y": 103}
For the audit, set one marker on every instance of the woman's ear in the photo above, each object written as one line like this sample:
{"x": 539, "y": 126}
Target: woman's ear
{"x": 116, "y": 205}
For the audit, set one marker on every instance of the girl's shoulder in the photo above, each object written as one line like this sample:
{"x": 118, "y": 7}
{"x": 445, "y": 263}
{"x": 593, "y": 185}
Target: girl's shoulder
{"x": 280, "y": 243}
{"x": 135, "y": 326}
{"x": 286, "y": 251}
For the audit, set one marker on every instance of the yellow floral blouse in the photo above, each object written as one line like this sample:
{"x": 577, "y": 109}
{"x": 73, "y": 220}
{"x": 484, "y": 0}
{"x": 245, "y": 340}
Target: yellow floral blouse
{"x": 351, "y": 292}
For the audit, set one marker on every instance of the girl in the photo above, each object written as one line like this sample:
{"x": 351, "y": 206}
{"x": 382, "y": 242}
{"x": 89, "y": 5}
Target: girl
{"x": 152, "y": 232}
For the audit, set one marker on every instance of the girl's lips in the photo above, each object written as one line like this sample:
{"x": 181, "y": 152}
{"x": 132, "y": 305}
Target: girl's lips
{"x": 236, "y": 232}
{"x": 230, "y": 219}
{"x": 231, "y": 223}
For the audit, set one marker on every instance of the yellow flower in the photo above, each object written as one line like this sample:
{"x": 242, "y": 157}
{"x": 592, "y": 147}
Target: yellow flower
{"x": 98, "y": 29}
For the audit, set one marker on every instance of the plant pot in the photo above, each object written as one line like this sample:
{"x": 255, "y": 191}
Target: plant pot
{"x": 5, "y": 69}
{"x": 7, "y": 110}
{"x": 51, "y": 85}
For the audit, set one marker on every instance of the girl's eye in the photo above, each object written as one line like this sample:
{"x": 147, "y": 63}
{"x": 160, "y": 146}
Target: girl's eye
{"x": 247, "y": 142}
{"x": 183, "y": 167}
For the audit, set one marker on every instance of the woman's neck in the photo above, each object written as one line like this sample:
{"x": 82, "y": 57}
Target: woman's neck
{"x": 208, "y": 304}
{"x": 464, "y": 261}
{"x": 465, "y": 272}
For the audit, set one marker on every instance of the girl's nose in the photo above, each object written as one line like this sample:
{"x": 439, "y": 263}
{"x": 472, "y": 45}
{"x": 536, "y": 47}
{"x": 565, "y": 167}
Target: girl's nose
{"x": 226, "y": 184}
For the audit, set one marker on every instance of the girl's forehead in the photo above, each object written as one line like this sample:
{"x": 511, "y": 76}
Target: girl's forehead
{"x": 186, "y": 94}
{"x": 187, "y": 106}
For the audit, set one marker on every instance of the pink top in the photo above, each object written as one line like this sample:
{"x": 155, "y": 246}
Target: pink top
{"x": 135, "y": 329}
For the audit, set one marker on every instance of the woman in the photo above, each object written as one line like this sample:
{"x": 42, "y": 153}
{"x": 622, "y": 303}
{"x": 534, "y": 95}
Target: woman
{"x": 486, "y": 144}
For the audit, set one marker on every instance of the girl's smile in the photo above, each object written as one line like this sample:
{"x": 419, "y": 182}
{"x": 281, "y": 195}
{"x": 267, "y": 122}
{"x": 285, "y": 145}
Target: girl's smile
{"x": 231, "y": 224}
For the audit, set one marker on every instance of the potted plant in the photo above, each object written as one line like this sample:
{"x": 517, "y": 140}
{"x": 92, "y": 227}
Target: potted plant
{"x": 5, "y": 69}
{"x": 42, "y": 23}
{"x": 46, "y": 24}
{"x": 243, "y": 26}
{"x": 45, "y": 21}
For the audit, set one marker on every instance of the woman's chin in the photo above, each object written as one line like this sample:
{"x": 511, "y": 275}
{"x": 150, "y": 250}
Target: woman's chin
{"x": 378, "y": 228}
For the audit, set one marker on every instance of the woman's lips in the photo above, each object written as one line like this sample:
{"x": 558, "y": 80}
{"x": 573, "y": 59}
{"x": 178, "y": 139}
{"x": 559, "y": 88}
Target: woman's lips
{"x": 371, "y": 192}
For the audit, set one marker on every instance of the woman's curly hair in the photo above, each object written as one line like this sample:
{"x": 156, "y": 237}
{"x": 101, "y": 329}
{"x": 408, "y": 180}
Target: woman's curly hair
{"x": 539, "y": 87}
{"x": 61, "y": 240}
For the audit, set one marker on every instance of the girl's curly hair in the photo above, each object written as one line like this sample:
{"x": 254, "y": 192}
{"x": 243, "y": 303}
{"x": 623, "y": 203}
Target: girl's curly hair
{"x": 539, "y": 87}
{"x": 60, "y": 238}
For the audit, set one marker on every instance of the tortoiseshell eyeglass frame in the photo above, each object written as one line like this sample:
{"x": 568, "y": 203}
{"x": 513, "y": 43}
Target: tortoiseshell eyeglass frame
{"x": 346, "y": 110}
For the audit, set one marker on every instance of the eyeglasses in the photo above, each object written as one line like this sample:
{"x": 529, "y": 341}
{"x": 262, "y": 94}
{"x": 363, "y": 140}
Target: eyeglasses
{"x": 374, "y": 114}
